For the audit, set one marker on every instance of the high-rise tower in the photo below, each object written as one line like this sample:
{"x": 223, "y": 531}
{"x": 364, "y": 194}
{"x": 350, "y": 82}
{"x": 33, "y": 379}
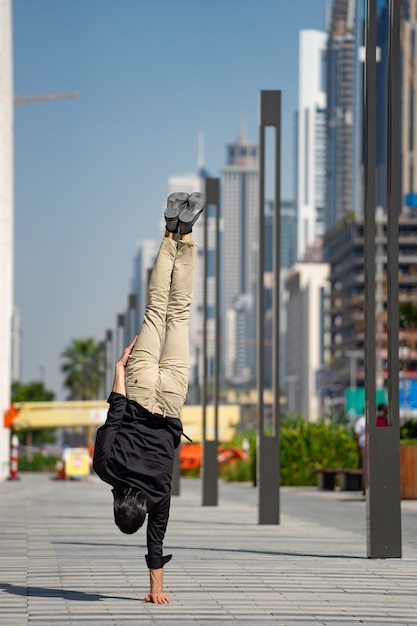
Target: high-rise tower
{"x": 409, "y": 105}
{"x": 240, "y": 179}
{"x": 342, "y": 121}
{"x": 311, "y": 139}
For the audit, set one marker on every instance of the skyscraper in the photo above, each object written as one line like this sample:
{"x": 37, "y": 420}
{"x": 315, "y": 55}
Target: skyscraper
{"x": 240, "y": 179}
{"x": 288, "y": 234}
{"x": 409, "y": 105}
{"x": 311, "y": 139}
{"x": 342, "y": 109}
{"x": 382, "y": 104}
{"x": 241, "y": 349}
{"x": 288, "y": 245}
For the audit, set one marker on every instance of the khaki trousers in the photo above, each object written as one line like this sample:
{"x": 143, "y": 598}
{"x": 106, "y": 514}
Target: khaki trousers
{"x": 157, "y": 371}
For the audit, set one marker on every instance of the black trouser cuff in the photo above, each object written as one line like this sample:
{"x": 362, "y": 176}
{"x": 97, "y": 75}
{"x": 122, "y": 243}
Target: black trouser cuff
{"x": 156, "y": 562}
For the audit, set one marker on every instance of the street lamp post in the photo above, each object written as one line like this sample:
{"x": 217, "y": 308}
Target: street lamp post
{"x": 210, "y": 445}
{"x": 120, "y": 338}
{"x": 383, "y": 503}
{"x": 353, "y": 356}
{"x": 133, "y": 322}
{"x": 109, "y": 360}
{"x": 268, "y": 448}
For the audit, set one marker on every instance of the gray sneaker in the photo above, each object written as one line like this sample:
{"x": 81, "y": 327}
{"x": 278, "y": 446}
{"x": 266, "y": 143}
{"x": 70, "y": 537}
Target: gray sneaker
{"x": 190, "y": 214}
{"x": 176, "y": 202}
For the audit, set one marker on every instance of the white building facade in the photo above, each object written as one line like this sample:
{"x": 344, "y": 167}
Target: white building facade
{"x": 311, "y": 139}
{"x": 307, "y": 343}
{"x": 6, "y": 225}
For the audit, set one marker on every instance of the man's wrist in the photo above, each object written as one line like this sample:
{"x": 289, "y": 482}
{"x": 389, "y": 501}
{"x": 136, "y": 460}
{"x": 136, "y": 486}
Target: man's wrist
{"x": 156, "y": 580}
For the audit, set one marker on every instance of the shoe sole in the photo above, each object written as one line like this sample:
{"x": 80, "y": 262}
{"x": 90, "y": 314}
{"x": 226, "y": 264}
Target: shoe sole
{"x": 189, "y": 215}
{"x": 175, "y": 203}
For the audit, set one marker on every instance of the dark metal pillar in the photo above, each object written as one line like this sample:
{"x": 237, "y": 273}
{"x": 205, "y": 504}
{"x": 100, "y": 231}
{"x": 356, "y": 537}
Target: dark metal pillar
{"x": 110, "y": 362}
{"x": 217, "y": 354}
{"x": 120, "y": 334}
{"x": 101, "y": 366}
{"x": 383, "y": 497}
{"x": 268, "y": 453}
{"x": 209, "y": 463}
{"x": 133, "y": 323}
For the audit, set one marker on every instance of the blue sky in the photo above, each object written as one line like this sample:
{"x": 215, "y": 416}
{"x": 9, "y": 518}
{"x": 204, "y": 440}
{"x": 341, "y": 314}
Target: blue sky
{"x": 91, "y": 174}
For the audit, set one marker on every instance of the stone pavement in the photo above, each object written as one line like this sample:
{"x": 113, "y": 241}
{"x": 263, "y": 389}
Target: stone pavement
{"x": 64, "y": 562}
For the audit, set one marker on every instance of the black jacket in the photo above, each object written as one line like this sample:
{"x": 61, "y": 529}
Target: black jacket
{"x": 136, "y": 448}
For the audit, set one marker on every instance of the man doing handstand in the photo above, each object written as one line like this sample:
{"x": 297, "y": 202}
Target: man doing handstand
{"x": 135, "y": 448}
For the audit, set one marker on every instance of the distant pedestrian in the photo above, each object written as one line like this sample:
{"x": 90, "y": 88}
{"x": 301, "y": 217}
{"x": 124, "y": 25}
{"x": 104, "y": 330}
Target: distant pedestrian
{"x": 135, "y": 448}
{"x": 382, "y": 415}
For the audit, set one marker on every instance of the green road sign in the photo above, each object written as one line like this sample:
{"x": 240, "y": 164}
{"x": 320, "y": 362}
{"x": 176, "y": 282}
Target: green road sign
{"x": 355, "y": 400}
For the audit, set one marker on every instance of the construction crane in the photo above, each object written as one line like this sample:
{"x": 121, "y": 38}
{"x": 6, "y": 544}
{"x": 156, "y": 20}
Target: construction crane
{"x": 46, "y": 97}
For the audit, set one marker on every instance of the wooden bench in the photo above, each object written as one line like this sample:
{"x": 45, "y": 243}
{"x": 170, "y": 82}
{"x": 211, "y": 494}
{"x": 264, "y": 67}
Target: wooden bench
{"x": 349, "y": 479}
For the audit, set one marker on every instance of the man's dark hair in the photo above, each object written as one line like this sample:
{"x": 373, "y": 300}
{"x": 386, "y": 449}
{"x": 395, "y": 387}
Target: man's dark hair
{"x": 130, "y": 509}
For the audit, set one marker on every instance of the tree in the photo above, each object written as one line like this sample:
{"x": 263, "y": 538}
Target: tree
{"x": 84, "y": 369}
{"x": 34, "y": 392}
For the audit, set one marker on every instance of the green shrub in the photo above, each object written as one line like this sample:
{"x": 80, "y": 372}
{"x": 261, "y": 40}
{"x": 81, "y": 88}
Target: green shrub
{"x": 242, "y": 471}
{"x": 304, "y": 445}
{"x": 408, "y": 430}
{"x": 191, "y": 473}
{"x": 237, "y": 471}
{"x": 39, "y": 463}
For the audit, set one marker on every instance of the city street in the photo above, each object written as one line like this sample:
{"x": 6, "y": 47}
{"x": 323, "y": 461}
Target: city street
{"x": 63, "y": 561}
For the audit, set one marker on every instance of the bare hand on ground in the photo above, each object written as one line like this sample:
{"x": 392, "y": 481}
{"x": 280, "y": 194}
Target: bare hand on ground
{"x": 158, "y": 597}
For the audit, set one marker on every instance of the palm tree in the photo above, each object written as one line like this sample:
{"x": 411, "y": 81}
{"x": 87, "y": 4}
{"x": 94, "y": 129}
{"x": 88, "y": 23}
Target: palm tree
{"x": 84, "y": 368}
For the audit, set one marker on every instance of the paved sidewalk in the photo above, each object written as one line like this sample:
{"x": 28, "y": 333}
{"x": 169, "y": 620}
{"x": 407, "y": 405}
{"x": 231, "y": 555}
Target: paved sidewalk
{"x": 63, "y": 561}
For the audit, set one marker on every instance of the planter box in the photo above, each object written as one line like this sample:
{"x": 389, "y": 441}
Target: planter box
{"x": 408, "y": 472}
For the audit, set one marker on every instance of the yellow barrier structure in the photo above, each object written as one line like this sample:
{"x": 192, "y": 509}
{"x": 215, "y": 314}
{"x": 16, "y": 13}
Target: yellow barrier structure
{"x": 92, "y": 414}
{"x": 34, "y": 415}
